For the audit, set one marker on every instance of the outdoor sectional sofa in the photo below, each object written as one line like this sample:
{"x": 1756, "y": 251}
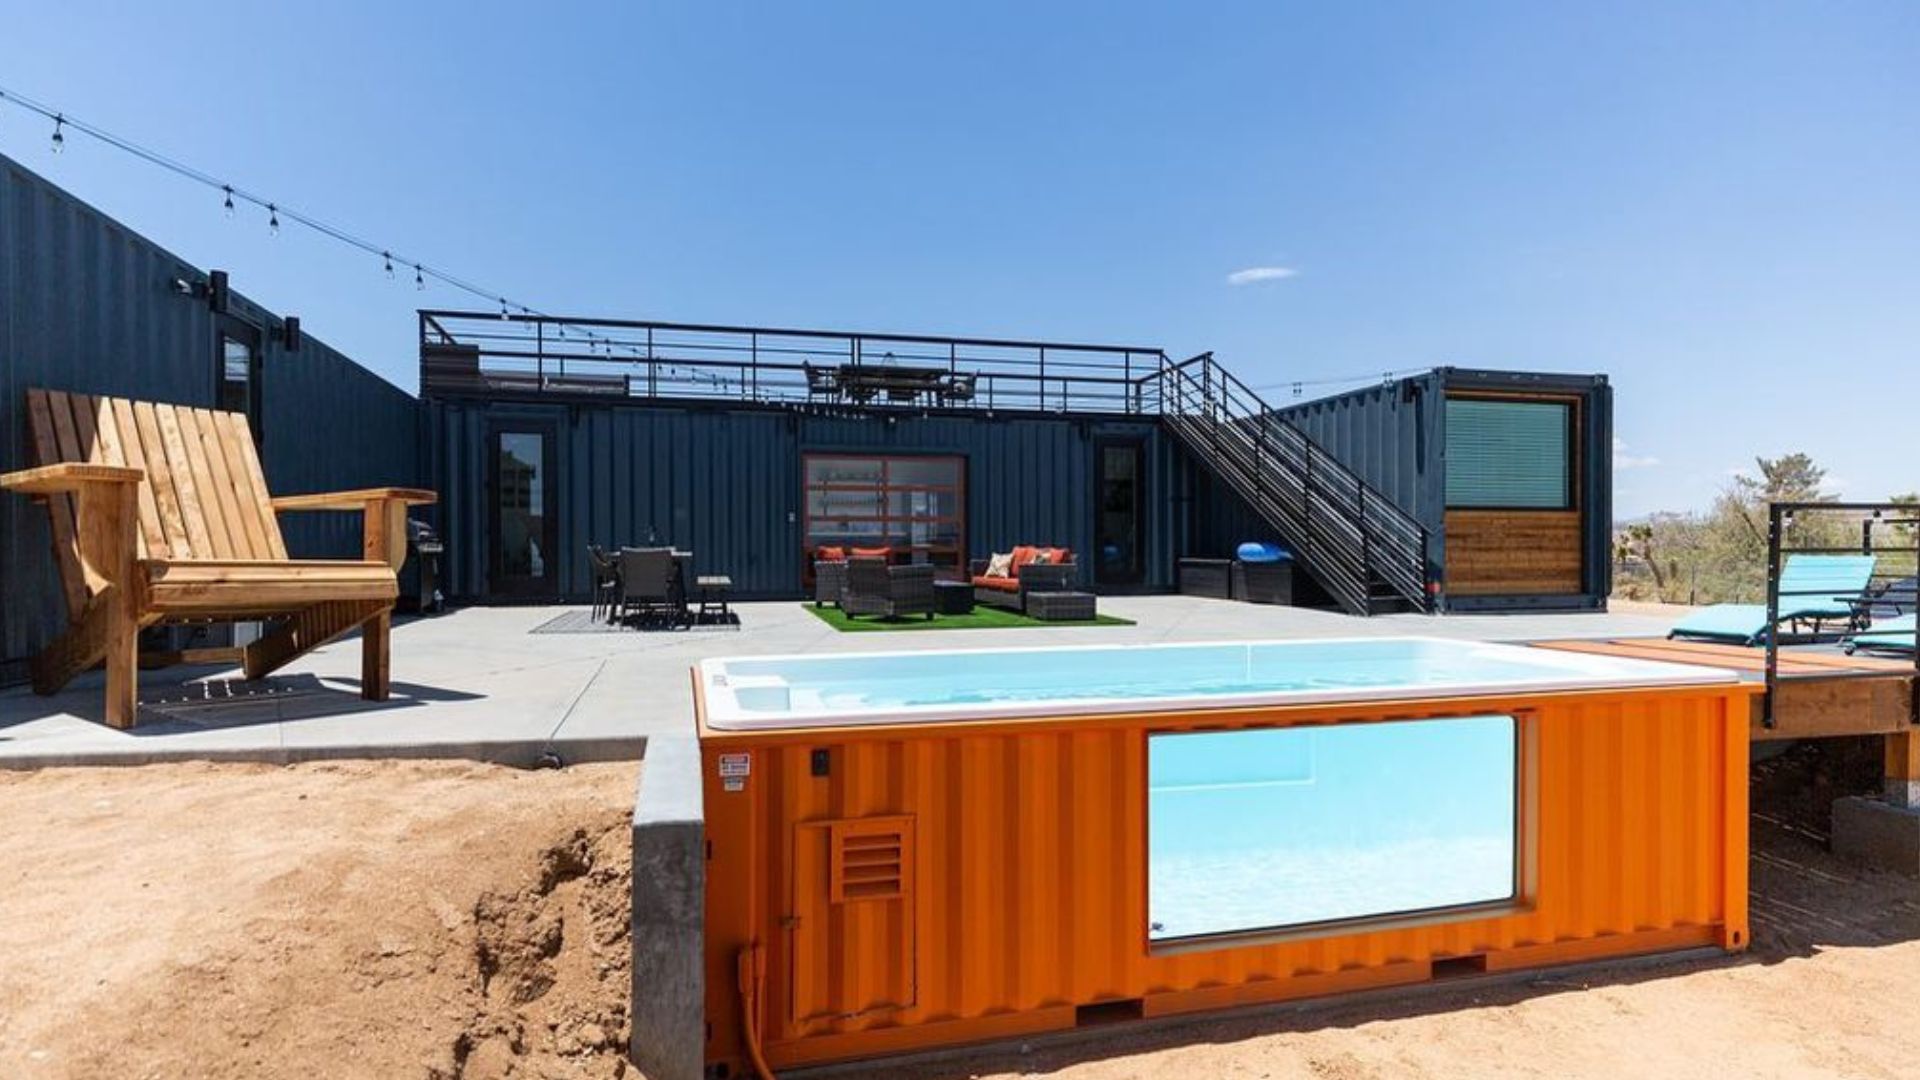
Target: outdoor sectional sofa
{"x": 1056, "y": 575}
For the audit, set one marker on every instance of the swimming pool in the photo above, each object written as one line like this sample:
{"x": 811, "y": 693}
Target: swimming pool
{"x": 912, "y": 850}
{"x": 868, "y": 688}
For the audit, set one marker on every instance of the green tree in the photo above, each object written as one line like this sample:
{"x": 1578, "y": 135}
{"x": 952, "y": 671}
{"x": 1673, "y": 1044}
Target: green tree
{"x": 1721, "y": 555}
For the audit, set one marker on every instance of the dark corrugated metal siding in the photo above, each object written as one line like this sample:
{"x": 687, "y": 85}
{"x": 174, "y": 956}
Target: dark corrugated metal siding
{"x": 1388, "y": 436}
{"x": 309, "y": 398}
{"x": 1393, "y": 435}
{"x": 726, "y": 483}
{"x": 87, "y": 304}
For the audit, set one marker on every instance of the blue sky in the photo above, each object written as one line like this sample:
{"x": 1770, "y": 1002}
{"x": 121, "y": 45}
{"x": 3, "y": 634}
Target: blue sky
{"x": 1716, "y": 204}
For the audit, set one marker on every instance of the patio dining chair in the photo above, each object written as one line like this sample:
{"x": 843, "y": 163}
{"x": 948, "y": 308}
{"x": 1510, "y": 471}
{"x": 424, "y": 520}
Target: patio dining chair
{"x": 651, "y": 585}
{"x": 606, "y": 580}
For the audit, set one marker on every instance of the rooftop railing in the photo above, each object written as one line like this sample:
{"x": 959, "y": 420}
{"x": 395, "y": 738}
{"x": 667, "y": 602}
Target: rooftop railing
{"x": 519, "y": 355}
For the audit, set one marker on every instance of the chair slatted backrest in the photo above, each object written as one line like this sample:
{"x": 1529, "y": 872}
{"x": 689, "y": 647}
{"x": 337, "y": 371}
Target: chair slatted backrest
{"x": 204, "y": 496}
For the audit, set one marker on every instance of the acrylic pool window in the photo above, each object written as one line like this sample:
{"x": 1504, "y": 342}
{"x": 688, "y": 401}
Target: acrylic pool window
{"x": 1277, "y": 830}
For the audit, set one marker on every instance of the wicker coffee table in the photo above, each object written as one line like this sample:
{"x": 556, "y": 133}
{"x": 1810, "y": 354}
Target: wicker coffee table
{"x": 1060, "y": 606}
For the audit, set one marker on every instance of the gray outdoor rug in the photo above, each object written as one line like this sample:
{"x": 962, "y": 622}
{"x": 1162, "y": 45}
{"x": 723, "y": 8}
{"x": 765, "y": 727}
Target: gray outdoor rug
{"x": 584, "y": 622}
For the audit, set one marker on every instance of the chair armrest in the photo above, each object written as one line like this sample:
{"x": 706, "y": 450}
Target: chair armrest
{"x": 68, "y": 477}
{"x": 355, "y": 500}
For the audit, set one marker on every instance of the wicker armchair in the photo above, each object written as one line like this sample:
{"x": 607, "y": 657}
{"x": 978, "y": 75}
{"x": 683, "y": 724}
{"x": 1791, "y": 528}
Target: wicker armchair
{"x": 829, "y": 578}
{"x": 1033, "y": 577}
{"x": 874, "y": 588}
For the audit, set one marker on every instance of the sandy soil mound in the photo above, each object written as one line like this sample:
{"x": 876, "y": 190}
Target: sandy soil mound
{"x": 366, "y": 919}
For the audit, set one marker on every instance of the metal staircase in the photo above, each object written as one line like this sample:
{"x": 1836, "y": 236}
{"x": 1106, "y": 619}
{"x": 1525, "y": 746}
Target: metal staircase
{"x": 1369, "y": 555}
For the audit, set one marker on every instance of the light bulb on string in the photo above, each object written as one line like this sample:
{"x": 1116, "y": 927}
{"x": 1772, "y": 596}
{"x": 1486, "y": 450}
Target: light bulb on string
{"x": 387, "y": 258}
{"x": 503, "y": 310}
{"x": 273, "y": 219}
{"x": 227, "y": 203}
{"x": 59, "y": 137}
{"x": 419, "y": 282}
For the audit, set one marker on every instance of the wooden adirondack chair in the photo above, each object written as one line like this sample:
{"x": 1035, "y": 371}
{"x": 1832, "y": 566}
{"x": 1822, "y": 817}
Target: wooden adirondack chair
{"x": 161, "y": 514}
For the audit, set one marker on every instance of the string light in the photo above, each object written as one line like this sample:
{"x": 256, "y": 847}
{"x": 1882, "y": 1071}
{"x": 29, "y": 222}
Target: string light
{"x": 231, "y": 196}
{"x": 1298, "y": 386}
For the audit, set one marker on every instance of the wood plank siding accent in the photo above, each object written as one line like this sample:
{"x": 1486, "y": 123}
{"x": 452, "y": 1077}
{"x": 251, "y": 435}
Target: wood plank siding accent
{"x": 1513, "y": 552}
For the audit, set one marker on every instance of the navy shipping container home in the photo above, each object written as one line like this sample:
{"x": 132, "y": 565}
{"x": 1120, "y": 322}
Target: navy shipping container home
{"x": 1511, "y": 474}
{"x": 754, "y": 448}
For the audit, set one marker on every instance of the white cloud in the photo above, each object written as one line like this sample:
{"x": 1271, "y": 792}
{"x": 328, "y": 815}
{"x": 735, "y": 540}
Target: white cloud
{"x": 1253, "y": 274}
{"x": 1623, "y": 460}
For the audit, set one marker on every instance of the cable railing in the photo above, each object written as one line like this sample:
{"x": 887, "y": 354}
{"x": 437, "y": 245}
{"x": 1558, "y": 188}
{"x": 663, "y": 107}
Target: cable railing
{"x": 1354, "y": 540}
{"x": 1827, "y": 602}
{"x": 519, "y": 355}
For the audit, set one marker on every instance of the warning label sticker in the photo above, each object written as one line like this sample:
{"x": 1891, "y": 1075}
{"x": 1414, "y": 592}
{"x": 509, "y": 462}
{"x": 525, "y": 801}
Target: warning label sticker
{"x": 736, "y": 765}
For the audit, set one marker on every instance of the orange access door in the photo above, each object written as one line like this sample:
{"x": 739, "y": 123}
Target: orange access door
{"x": 850, "y": 927}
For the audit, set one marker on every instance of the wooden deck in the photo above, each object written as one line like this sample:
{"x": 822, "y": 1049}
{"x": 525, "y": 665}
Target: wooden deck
{"x": 1819, "y": 694}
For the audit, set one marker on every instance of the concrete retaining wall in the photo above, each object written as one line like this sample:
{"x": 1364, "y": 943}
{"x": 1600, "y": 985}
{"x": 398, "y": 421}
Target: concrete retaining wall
{"x": 669, "y": 897}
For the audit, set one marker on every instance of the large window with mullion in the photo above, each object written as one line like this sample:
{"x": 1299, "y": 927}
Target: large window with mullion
{"x": 914, "y": 506}
{"x": 1509, "y": 454}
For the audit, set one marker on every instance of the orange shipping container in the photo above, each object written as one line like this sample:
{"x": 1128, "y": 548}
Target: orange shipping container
{"x": 891, "y": 888}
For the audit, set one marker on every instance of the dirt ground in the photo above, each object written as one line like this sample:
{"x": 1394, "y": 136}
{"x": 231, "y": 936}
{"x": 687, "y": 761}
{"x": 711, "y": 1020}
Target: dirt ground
{"x": 365, "y": 919}
{"x": 445, "y": 920}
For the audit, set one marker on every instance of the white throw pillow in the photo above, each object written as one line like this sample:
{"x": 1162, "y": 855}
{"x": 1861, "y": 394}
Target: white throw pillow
{"x": 1001, "y": 565}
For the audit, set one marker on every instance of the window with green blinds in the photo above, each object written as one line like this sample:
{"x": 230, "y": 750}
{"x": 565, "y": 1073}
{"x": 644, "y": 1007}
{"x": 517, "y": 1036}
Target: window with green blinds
{"x": 1509, "y": 454}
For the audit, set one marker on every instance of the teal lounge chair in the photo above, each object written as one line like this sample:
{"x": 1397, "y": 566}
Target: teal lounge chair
{"x": 1813, "y": 589}
{"x": 1887, "y": 635}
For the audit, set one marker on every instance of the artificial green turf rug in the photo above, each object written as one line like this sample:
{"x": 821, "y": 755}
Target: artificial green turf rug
{"x": 981, "y": 618}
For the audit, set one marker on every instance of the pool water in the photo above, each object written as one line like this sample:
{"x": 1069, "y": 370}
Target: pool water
{"x": 1281, "y": 828}
{"x": 889, "y": 687}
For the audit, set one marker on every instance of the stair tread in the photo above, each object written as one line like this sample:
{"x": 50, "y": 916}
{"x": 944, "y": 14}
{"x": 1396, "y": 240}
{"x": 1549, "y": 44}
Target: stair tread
{"x": 1250, "y": 463}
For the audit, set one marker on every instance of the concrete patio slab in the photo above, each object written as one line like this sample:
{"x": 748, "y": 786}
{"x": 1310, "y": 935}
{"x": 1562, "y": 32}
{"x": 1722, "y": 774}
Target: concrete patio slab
{"x": 478, "y": 683}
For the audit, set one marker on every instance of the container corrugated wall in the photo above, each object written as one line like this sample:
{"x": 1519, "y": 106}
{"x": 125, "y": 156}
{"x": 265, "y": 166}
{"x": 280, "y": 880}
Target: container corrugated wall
{"x": 1026, "y": 871}
{"x": 726, "y": 482}
{"x": 87, "y": 304}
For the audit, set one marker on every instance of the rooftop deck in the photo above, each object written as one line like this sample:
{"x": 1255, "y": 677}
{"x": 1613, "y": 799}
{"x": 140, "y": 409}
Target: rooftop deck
{"x": 525, "y": 355}
{"x": 479, "y": 683}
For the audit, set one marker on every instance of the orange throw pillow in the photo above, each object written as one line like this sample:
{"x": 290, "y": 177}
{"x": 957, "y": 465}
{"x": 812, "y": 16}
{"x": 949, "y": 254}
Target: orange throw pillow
{"x": 873, "y": 553}
{"x": 831, "y": 553}
{"x": 1023, "y": 555}
{"x": 1057, "y": 556}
